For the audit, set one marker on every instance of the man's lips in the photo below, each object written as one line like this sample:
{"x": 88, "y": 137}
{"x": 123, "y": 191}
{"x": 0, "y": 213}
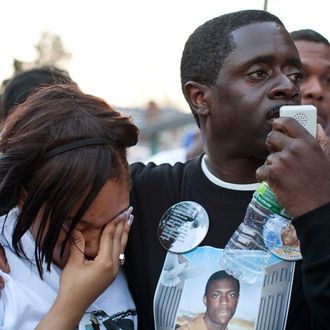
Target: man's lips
{"x": 275, "y": 111}
{"x": 224, "y": 313}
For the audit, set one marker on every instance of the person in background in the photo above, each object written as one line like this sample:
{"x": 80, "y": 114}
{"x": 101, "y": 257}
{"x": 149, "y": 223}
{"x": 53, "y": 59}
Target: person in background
{"x": 192, "y": 147}
{"x": 195, "y": 148}
{"x": 314, "y": 52}
{"x": 18, "y": 88}
{"x": 64, "y": 187}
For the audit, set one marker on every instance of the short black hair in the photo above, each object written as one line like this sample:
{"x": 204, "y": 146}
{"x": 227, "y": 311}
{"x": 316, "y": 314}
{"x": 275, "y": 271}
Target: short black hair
{"x": 220, "y": 275}
{"x": 309, "y": 35}
{"x": 209, "y": 45}
{"x": 18, "y": 88}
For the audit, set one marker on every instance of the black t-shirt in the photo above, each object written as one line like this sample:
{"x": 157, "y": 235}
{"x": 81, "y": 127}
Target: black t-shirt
{"x": 155, "y": 189}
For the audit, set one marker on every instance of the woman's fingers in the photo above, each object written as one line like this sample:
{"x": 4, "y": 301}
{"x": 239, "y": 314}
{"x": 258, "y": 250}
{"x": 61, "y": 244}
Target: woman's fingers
{"x": 114, "y": 238}
{"x": 120, "y": 238}
{"x": 113, "y": 241}
{"x": 124, "y": 237}
{"x": 116, "y": 250}
{"x": 106, "y": 240}
{"x": 87, "y": 279}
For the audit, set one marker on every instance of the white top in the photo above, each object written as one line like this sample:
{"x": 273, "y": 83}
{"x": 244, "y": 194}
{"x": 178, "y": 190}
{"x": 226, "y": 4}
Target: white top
{"x": 26, "y": 298}
{"x": 224, "y": 184}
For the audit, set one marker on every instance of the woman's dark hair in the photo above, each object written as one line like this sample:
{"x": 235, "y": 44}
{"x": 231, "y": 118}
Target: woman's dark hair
{"x": 35, "y": 177}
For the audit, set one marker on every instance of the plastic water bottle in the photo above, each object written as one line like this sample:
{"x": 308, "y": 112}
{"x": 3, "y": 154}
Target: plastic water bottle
{"x": 246, "y": 254}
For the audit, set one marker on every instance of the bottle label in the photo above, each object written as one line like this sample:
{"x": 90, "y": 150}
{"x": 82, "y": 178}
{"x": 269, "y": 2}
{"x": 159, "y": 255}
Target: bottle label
{"x": 265, "y": 197}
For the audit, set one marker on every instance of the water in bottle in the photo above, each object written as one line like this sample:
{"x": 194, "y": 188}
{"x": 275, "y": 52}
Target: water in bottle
{"x": 248, "y": 252}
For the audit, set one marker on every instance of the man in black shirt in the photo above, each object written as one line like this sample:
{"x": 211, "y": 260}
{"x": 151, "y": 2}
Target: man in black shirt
{"x": 237, "y": 70}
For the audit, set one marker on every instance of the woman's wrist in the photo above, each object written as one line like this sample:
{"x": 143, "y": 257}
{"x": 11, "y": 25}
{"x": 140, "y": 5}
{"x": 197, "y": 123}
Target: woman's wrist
{"x": 62, "y": 316}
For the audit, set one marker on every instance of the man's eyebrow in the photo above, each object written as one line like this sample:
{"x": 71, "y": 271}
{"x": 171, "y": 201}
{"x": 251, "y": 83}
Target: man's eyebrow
{"x": 261, "y": 59}
{"x": 221, "y": 290}
{"x": 270, "y": 58}
{"x": 295, "y": 62}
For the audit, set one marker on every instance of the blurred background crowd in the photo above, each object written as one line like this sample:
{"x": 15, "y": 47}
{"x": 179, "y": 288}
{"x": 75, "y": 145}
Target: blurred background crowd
{"x": 128, "y": 53}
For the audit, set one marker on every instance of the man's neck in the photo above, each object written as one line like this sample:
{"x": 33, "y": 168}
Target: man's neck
{"x": 227, "y": 185}
{"x": 233, "y": 170}
{"x": 213, "y": 326}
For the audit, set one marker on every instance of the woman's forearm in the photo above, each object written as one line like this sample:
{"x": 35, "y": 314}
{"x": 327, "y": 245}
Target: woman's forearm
{"x": 62, "y": 317}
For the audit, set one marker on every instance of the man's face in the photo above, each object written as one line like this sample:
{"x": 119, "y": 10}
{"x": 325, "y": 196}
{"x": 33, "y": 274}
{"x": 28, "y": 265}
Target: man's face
{"x": 315, "y": 87}
{"x": 261, "y": 74}
{"x": 221, "y": 301}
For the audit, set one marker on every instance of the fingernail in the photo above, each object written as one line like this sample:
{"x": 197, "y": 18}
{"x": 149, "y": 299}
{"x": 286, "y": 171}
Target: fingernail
{"x": 129, "y": 211}
{"x": 130, "y": 219}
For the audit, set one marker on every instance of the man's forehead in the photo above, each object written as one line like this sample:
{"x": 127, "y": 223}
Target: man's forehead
{"x": 221, "y": 283}
{"x": 258, "y": 30}
{"x": 313, "y": 49}
{"x": 262, "y": 38}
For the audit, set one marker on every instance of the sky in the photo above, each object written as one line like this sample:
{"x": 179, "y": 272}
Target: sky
{"x": 128, "y": 51}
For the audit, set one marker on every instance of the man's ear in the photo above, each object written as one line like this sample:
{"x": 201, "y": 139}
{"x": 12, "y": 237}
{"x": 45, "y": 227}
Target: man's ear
{"x": 205, "y": 300}
{"x": 195, "y": 94}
